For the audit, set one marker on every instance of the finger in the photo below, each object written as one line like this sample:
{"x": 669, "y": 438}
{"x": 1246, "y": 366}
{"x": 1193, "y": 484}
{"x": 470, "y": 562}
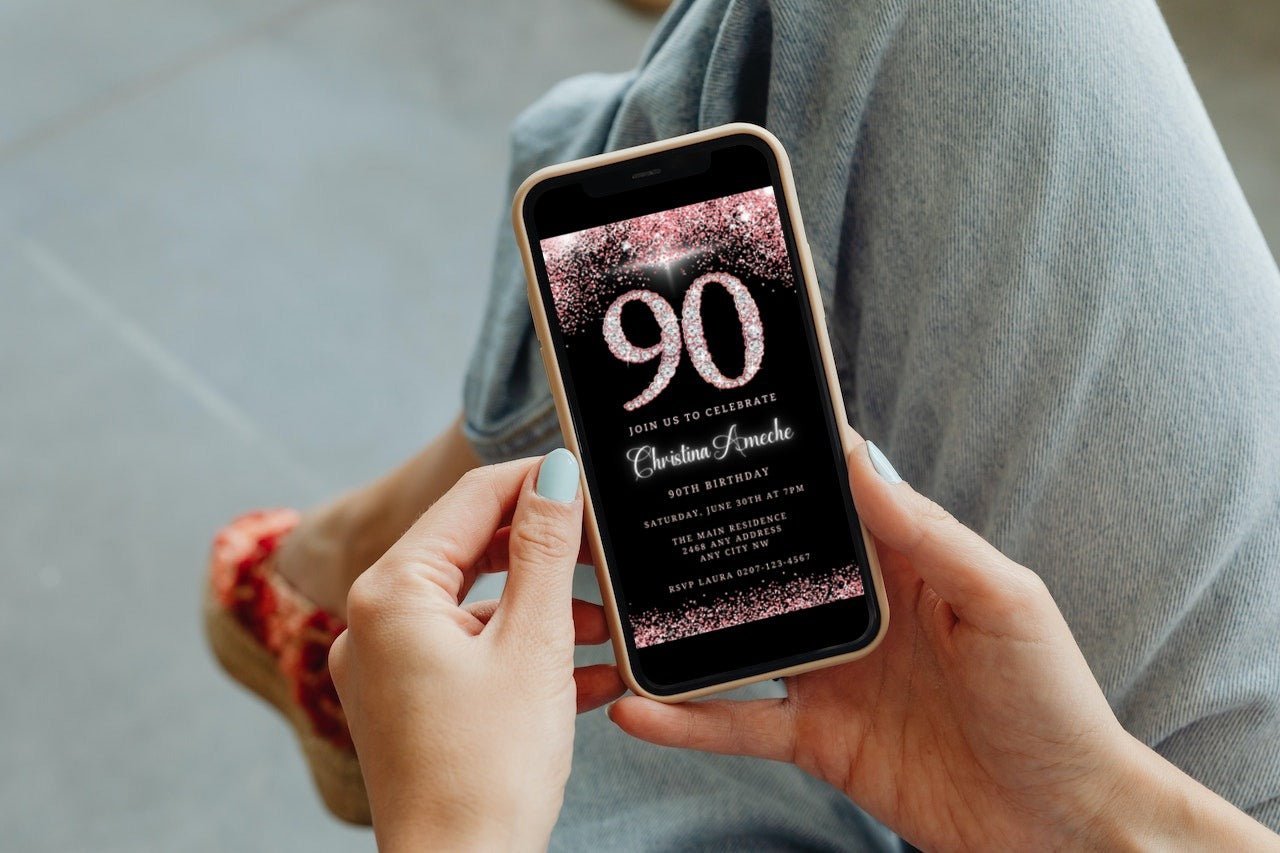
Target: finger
{"x": 482, "y": 610}
{"x": 496, "y": 556}
{"x": 962, "y": 567}
{"x": 338, "y": 652}
{"x": 597, "y": 685}
{"x": 590, "y": 627}
{"x": 760, "y": 727}
{"x": 546, "y": 532}
{"x": 585, "y": 557}
{"x": 450, "y": 538}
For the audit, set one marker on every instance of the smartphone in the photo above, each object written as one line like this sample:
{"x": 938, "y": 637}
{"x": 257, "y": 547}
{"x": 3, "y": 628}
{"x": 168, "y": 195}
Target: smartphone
{"x": 684, "y": 339}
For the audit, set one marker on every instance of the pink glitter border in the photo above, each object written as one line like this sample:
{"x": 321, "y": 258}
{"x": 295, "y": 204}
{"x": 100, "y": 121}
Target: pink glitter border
{"x": 742, "y": 232}
{"x": 742, "y": 606}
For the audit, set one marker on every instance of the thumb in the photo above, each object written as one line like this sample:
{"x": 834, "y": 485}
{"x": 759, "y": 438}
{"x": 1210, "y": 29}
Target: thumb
{"x": 763, "y": 728}
{"x": 546, "y": 530}
{"x": 962, "y": 568}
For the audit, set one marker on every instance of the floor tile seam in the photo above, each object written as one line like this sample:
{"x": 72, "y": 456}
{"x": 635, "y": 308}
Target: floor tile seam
{"x": 55, "y": 273}
{"x": 132, "y": 90}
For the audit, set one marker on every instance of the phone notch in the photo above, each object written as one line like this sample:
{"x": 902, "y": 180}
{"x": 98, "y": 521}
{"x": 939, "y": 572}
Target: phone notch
{"x": 645, "y": 172}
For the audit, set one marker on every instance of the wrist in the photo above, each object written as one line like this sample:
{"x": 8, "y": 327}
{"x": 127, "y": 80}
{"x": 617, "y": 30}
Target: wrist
{"x": 423, "y": 833}
{"x": 480, "y": 824}
{"x": 1137, "y": 806}
{"x": 1152, "y": 805}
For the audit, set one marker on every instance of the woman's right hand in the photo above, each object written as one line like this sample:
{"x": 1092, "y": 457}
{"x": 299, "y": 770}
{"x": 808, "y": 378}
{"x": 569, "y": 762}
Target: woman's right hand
{"x": 977, "y": 722}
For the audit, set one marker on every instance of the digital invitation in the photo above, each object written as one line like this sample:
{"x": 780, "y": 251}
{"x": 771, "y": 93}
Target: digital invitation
{"x": 686, "y": 343}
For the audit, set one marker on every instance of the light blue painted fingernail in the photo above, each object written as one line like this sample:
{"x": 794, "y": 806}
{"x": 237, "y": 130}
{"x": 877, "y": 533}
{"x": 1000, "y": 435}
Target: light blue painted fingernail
{"x": 882, "y": 465}
{"x": 558, "y": 477}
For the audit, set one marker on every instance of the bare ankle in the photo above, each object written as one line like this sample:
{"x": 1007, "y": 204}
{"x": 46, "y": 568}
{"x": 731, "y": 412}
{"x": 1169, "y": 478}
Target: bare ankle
{"x": 334, "y": 543}
{"x": 315, "y": 559}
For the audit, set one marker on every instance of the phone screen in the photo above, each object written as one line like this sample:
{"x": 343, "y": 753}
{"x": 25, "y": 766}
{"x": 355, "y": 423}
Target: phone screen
{"x": 685, "y": 335}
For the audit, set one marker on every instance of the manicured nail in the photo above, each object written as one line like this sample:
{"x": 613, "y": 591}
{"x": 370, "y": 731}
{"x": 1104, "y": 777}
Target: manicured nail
{"x": 882, "y": 465}
{"x": 558, "y": 477}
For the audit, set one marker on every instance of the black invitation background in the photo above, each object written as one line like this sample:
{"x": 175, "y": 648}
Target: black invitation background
{"x": 721, "y": 503}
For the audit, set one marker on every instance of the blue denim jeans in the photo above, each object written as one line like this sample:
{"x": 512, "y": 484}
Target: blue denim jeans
{"x": 1049, "y": 304}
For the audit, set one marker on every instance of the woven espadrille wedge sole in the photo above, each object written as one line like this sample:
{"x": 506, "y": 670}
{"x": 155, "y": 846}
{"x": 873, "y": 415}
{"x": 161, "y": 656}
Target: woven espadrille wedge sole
{"x": 275, "y": 642}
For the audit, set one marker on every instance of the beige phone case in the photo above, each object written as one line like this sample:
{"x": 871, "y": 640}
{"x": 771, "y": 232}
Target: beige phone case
{"x": 566, "y": 422}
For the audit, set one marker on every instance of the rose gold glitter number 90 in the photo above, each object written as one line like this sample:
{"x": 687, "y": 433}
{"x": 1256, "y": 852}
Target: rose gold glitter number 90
{"x": 669, "y": 343}
{"x": 748, "y": 317}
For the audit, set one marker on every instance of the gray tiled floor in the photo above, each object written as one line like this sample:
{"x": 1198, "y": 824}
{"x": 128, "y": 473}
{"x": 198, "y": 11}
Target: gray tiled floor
{"x": 243, "y": 248}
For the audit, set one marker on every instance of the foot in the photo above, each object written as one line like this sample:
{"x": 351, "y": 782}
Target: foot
{"x": 276, "y": 583}
{"x": 334, "y": 543}
{"x": 275, "y": 643}
{"x": 324, "y": 554}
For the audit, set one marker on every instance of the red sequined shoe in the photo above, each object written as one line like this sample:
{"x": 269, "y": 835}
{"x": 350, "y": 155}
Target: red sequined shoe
{"x": 275, "y": 642}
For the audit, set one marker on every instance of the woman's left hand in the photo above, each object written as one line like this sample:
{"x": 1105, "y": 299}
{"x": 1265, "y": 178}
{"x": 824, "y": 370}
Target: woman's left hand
{"x": 463, "y": 715}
